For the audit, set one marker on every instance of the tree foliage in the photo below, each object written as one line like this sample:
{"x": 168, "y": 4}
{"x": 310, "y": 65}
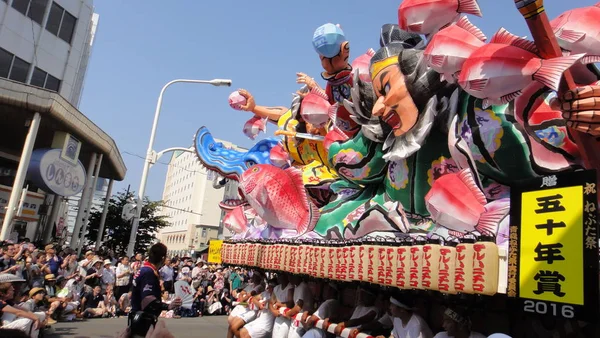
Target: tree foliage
{"x": 117, "y": 230}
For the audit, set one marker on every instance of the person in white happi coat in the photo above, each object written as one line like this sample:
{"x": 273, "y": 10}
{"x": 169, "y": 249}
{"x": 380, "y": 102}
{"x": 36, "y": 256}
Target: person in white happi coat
{"x": 365, "y": 311}
{"x": 262, "y": 326}
{"x": 303, "y": 301}
{"x": 327, "y": 311}
{"x": 458, "y": 325}
{"x": 407, "y": 324}
{"x": 283, "y": 298}
{"x": 245, "y": 311}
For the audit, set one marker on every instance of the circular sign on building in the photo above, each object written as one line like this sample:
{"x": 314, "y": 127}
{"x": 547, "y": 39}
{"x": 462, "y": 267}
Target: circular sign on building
{"x": 53, "y": 174}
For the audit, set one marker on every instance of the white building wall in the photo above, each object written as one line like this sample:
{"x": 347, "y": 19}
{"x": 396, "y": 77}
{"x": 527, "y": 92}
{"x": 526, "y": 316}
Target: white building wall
{"x": 192, "y": 203}
{"x": 33, "y": 43}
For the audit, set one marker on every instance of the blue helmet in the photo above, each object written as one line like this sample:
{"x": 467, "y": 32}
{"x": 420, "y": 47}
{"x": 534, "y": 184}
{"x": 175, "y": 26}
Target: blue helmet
{"x": 328, "y": 39}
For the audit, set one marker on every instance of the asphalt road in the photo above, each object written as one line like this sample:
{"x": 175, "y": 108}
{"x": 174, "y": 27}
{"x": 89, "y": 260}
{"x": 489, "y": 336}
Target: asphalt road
{"x": 204, "y": 327}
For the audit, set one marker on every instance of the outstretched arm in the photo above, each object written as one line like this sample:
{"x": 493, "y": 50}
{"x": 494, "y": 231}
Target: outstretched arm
{"x": 308, "y": 81}
{"x": 271, "y": 113}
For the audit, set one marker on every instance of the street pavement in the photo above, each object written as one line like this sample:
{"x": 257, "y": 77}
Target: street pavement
{"x": 201, "y": 327}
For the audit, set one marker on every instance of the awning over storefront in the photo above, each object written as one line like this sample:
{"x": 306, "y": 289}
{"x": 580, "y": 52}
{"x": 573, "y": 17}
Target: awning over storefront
{"x": 18, "y": 103}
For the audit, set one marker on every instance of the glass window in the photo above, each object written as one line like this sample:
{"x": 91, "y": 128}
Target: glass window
{"x": 53, "y": 24}
{"x": 203, "y": 232}
{"x": 5, "y": 63}
{"x": 37, "y": 9}
{"x": 21, "y": 6}
{"x": 19, "y": 70}
{"x": 67, "y": 27}
{"x": 52, "y": 83}
{"x": 39, "y": 77}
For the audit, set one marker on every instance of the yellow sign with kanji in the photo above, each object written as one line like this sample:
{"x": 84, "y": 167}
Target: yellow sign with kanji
{"x": 551, "y": 233}
{"x": 214, "y": 251}
{"x": 553, "y": 246}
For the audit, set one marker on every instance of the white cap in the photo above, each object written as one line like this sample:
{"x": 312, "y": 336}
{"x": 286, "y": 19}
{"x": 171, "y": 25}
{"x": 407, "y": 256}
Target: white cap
{"x": 10, "y": 278}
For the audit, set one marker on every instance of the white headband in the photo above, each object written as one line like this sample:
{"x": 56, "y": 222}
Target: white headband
{"x": 399, "y": 304}
{"x": 367, "y": 291}
{"x": 456, "y": 317}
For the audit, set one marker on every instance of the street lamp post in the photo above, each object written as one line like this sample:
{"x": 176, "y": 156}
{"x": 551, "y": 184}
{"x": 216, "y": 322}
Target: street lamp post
{"x": 150, "y": 154}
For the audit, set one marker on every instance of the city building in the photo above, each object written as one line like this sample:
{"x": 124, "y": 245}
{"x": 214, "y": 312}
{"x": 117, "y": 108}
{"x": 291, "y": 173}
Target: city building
{"x": 45, "y": 46}
{"x": 47, "y": 43}
{"x": 191, "y": 204}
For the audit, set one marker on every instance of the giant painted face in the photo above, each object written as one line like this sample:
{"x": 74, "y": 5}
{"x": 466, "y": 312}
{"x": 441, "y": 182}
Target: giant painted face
{"x": 394, "y": 104}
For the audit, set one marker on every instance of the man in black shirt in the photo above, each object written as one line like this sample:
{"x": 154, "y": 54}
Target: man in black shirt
{"x": 146, "y": 303}
{"x": 93, "y": 303}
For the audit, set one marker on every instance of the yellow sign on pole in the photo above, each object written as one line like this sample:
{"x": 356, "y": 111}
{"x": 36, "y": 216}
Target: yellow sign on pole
{"x": 214, "y": 251}
{"x": 553, "y": 245}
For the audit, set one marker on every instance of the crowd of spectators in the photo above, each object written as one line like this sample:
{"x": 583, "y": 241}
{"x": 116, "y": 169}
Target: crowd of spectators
{"x": 42, "y": 285}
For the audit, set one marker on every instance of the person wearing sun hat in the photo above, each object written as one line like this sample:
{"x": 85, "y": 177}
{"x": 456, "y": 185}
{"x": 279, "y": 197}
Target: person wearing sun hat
{"x": 94, "y": 275}
{"x": 108, "y": 275}
{"x": 36, "y": 298}
{"x": 12, "y": 317}
{"x": 54, "y": 261}
{"x": 56, "y": 305}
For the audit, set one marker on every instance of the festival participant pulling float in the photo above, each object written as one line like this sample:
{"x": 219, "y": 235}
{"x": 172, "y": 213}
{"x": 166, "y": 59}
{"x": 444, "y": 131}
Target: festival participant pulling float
{"x": 458, "y": 164}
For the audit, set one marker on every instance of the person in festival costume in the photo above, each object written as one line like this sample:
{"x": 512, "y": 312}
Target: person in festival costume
{"x": 262, "y": 326}
{"x": 283, "y": 295}
{"x": 309, "y": 155}
{"x": 419, "y": 129}
{"x": 407, "y": 324}
{"x": 457, "y": 325}
{"x": 146, "y": 303}
{"x": 328, "y": 311}
{"x": 333, "y": 48}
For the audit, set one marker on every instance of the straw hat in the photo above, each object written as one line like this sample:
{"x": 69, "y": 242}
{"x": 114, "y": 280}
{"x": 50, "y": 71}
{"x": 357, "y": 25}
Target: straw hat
{"x": 94, "y": 261}
{"x": 209, "y": 289}
{"x": 34, "y": 291}
{"x": 50, "y": 276}
{"x": 107, "y": 261}
{"x": 10, "y": 278}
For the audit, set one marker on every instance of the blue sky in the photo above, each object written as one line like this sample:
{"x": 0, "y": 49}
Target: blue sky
{"x": 260, "y": 45}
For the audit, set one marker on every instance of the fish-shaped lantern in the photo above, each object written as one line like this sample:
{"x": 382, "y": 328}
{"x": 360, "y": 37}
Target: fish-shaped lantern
{"x": 578, "y": 31}
{"x": 362, "y": 64}
{"x": 429, "y": 16}
{"x": 255, "y": 126}
{"x": 451, "y": 47}
{"x": 315, "y": 108}
{"x": 279, "y": 157}
{"x": 235, "y": 220}
{"x": 499, "y": 70}
{"x": 334, "y": 135}
{"x": 236, "y": 100}
{"x": 279, "y": 197}
{"x": 456, "y": 203}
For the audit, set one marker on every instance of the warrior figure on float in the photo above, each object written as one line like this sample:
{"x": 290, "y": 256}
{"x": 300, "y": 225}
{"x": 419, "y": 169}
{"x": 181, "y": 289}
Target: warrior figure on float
{"x": 431, "y": 140}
